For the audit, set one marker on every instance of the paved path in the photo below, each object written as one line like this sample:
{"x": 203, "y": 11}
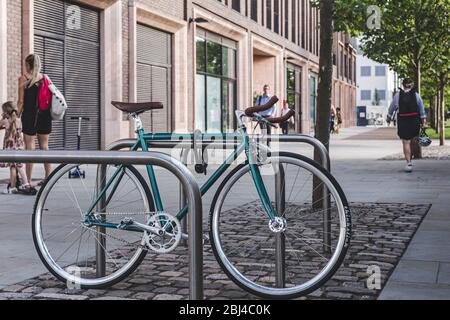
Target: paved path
{"x": 424, "y": 271}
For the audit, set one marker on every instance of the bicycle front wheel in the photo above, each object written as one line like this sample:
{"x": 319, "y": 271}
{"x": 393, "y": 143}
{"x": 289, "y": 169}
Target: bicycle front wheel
{"x": 295, "y": 256}
{"x": 83, "y": 255}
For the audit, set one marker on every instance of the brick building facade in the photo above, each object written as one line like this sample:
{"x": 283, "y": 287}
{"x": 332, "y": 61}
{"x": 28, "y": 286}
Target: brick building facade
{"x": 202, "y": 58}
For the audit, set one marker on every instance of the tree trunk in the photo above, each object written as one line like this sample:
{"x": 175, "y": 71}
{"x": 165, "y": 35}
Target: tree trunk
{"x": 416, "y": 150}
{"x": 432, "y": 112}
{"x": 442, "y": 112}
{"x": 325, "y": 72}
{"x": 438, "y": 109}
{"x": 322, "y": 128}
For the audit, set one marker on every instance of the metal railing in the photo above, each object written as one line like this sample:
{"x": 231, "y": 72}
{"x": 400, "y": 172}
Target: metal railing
{"x": 189, "y": 186}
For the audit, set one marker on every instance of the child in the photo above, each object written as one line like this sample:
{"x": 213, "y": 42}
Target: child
{"x": 14, "y": 141}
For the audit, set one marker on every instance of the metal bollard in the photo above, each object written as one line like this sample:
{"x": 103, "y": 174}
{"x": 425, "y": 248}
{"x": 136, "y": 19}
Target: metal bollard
{"x": 100, "y": 246}
{"x": 280, "y": 239}
{"x": 182, "y": 200}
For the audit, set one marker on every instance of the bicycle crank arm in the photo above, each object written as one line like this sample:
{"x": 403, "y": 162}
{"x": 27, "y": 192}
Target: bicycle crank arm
{"x": 185, "y": 236}
{"x": 141, "y": 227}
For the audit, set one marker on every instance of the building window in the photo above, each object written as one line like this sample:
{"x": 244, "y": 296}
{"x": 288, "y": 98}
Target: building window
{"x": 276, "y": 16}
{"x": 294, "y": 22}
{"x": 312, "y": 102}
{"x": 286, "y": 19}
{"x": 366, "y": 71}
{"x": 254, "y": 10}
{"x": 303, "y": 24}
{"x": 317, "y": 32}
{"x": 382, "y": 95}
{"x": 215, "y": 83}
{"x": 236, "y": 5}
{"x": 366, "y": 95}
{"x": 291, "y": 87}
{"x": 310, "y": 31}
{"x": 269, "y": 14}
{"x": 350, "y": 71}
{"x": 293, "y": 92}
{"x": 345, "y": 67}
{"x": 380, "y": 71}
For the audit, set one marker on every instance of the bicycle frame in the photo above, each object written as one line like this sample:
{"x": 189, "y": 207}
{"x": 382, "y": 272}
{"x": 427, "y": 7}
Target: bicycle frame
{"x": 142, "y": 144}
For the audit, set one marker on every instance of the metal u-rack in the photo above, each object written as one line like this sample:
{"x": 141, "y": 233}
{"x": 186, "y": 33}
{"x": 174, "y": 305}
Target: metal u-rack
{"x": 189, "y": 185}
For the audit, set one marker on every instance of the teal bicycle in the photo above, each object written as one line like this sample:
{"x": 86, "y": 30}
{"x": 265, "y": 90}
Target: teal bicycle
{"x": 263, "y": 199}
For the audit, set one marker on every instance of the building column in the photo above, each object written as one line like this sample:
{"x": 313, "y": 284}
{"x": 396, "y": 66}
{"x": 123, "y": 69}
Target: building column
{"x": 132, "y": 57}
{"x": 27, "y": 28}
{"x": 3, "y": 53}
{"x": 111, "y": 74}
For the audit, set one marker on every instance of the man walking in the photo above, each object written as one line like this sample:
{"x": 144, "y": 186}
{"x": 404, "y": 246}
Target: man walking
{"x": 263, "y": 99}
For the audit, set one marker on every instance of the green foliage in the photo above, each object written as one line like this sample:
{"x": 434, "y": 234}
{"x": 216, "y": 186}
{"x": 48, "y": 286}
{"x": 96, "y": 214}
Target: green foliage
{"x": 414, "y": 35}
{"x": 434, "y": 135}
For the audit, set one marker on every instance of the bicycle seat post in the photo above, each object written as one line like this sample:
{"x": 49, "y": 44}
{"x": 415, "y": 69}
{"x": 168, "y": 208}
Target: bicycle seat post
{"x": 137, "y": 122}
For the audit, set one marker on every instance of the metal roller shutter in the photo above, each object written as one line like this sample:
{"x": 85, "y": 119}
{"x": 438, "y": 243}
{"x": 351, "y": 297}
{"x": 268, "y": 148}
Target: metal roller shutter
{"x": 71, "y": 57}
{"x": 154, "y": 70}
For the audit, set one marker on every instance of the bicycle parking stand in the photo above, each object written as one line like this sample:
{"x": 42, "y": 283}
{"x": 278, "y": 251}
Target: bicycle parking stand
{"x": 280, "y": 240}
{"x": 101, "y": 240}
{"x": 186, "y": 145}
{"x": 190, "y": 188}
{"x": 280, "y": 246}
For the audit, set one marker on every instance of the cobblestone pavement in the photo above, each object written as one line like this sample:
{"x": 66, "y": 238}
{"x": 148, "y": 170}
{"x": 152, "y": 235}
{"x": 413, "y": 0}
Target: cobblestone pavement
{"x": 381, "y": 234}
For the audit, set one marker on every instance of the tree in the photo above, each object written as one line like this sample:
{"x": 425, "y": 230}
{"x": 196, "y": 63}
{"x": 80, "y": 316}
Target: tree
{"x": 335, "y": 15}
{"x": 411, "y": 38}
{"x": 347, "y": 16}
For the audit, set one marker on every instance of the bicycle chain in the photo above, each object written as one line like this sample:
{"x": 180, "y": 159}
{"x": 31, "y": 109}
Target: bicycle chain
{"x": 115, "y": 238}
{"x": 120, "y": 214}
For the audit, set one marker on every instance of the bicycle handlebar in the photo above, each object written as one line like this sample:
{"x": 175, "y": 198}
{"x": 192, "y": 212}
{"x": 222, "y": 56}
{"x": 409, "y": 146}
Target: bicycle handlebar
{"x": 282, "y": 119}
{"x": 250, "y": 111}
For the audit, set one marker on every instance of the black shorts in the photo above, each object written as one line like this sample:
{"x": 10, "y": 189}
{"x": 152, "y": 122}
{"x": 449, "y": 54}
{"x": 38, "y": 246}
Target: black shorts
{"x": 32, "y": 126}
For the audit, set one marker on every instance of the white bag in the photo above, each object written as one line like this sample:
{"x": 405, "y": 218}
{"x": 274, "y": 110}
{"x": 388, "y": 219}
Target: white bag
{"x": 59, "y": 104}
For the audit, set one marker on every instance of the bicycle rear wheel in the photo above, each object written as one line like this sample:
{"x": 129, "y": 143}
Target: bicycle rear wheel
{"x": 73, "y": 251}
{"x": 249, "y": 250}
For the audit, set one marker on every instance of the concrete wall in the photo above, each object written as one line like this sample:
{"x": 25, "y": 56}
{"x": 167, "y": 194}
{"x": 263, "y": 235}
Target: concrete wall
{"x": 14, "y": 46}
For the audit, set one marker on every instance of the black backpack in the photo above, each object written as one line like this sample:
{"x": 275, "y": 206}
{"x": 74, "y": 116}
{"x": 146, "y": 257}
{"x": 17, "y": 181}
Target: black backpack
{"x": 407, "y": 103}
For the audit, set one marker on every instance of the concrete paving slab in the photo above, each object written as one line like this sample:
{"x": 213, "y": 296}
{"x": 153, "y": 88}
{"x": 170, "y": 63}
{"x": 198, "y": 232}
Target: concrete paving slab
{"x": 416, "y": 271}
{"x": 411, "y": 291}
{"x": 444, "y": 274}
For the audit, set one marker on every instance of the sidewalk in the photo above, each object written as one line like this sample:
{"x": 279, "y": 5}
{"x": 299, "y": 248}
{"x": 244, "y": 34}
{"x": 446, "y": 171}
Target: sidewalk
{"x": 424, "y": 270}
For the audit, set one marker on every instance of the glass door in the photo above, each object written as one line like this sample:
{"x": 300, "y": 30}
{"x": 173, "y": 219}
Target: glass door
{"x": 312, "y": 102}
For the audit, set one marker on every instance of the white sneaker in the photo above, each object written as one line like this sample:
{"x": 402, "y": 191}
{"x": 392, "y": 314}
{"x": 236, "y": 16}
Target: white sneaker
{"x": 409, "y": 167}
{"x": 9, "y": 190}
